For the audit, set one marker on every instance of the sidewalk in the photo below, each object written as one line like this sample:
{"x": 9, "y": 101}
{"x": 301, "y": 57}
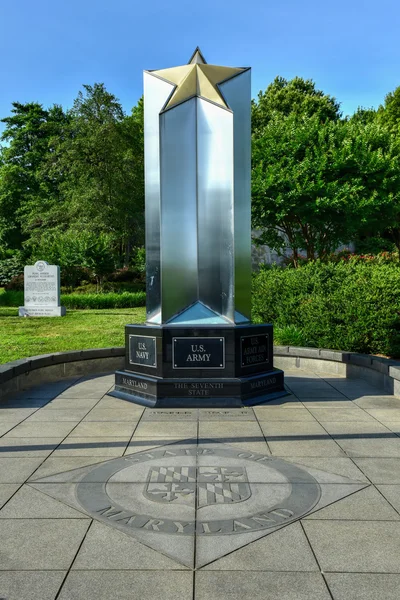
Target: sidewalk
{"x": 298, "y": 499}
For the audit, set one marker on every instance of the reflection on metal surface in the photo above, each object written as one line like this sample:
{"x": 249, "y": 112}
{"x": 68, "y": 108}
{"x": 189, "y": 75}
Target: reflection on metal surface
{"x": 154, "y": 92}
{"x": 237, "y": 93}
{"x": 197, "y": 163}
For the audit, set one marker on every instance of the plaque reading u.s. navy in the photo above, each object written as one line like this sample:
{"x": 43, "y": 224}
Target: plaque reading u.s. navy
{"x": 142, "y": 350}
{"x": 254, "y": 350}
{"x": 198, "y": 353}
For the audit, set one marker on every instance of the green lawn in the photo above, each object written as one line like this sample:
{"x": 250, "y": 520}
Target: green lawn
{"x": 79, "y": 329}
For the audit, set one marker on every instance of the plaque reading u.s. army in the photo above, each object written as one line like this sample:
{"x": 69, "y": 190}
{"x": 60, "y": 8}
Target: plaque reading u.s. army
{"x": 254, "y": 350}
{"x": 198, "y": 353}
{"x": 142, "y": 350}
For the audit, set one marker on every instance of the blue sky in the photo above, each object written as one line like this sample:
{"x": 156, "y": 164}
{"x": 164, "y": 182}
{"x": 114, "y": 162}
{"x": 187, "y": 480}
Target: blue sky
{"x": 49, "y": 48}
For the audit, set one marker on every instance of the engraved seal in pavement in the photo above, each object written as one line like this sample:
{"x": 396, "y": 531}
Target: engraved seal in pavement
{"x": 221, "y": 496}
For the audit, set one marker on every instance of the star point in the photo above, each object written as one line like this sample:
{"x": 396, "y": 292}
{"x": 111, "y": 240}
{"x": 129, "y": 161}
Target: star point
{"x": 197, "y": 79}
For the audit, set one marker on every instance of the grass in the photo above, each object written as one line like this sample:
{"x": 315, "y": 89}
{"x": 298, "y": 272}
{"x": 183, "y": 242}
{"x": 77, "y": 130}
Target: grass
{"x": 79, "y": 329}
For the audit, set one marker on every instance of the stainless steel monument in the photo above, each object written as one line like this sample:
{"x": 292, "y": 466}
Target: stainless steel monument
{"x": 198, "y": 347}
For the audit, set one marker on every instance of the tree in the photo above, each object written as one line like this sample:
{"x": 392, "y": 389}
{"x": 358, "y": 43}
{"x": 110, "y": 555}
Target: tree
{"x": 316, "y": 185}
{"x": 298, "y": 96}
{"x": 28, "y": 131}
{"x": 100, "y": 160}
{"x": 389, "y": 113}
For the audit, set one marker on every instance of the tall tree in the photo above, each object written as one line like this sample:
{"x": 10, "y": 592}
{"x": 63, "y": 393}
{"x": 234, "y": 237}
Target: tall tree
{"x": 389, "y": 113}
{"x": 100, "y": 159}
{"x": 298, "y": 96}
{"x": 316, "y": 185}
{"x": 28, "y": 131}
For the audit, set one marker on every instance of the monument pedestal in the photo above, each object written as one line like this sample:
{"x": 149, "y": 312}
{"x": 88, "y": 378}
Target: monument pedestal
{"x": 198, "y": 366}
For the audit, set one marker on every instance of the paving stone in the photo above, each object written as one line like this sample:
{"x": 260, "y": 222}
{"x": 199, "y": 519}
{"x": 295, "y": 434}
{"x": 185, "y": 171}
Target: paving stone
{"x": 282, "y": 431}
{"x": 260, "y": 586}
{"x": 394, "y": 426}
{"x": 380, "y": 470}
{"x": 40, "y": 544}
{"x": 307, "y": 394}
{"x": 124, "y": 585}
{"x": 30, "y": 585}
{"x": 341, "y": 414}
{"x": 244, "y": 431}
{"x": 55, "y": 465}
{"x": 392, "y": 494}
{"x": 260, "y": 446}
{"x": 86, "y": 393}
{"x": 15, "y": 414}
{"x": 17, "y": 470}
{"x": 338, "y": 544}
{"x": 363, "y": 586}
{"x": 358, "y": 429}
{"x": 370, "y": 447}
{"x": 166, "y": 429}
{"x": 283, "y": 414}
{"x": 51, "y": 414}
{"x": 317, "y": 448}
{"x": 360, "y": 391}
{"x": 71, "y": 403}
{"x": 284, "y": 550}
{"x": 28, "y": 503}
{"x": 115, "y": 414}
{"x": 46, "y": 391}
{"x": 331, "y": 466}
{"x": 7, "y": 426}
{"x": 378, "y": 402}
{"x": 27, "y": 447}
{"x": 141, "y": 444}
{"x": 385, "y": 416}
{"x": 289, "y": 401}
{"x": 109, "y": 402}
{"x": 328, "y": 403}
{"x": 106, "y": 548}
{"x": 92, "y": 446}
{"x": 100, "y": 429}
{"x": 6, "y": 491}
{"x": 41, "y": 430}
{"x": 366, "y": 505}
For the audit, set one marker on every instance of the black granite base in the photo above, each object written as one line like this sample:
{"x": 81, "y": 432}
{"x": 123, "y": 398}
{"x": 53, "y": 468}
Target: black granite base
{"x": 202, "y": 366}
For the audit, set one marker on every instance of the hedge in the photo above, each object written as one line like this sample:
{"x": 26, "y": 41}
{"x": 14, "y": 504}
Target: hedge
{"x": 349, "y": 305}
{"x": 84, "y": 301}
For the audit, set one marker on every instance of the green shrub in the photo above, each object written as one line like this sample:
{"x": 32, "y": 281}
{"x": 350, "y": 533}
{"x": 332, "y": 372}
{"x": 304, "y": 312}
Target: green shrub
{"x": 84, "y": 301}
{"x": 349, "y": 305}
{"x": 117, "y": 287}
{"x": 11, "y": 298}
{"x": 111, "y": 300}
{"x": 10, "y": 268}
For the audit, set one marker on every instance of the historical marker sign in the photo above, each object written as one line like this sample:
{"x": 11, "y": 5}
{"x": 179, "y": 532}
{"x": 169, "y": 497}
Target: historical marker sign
{"x": 42, "y": 291}
{"x": 198, "y": 353}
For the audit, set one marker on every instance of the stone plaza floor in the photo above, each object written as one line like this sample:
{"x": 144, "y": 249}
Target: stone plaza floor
{"x": 298, "y": 499}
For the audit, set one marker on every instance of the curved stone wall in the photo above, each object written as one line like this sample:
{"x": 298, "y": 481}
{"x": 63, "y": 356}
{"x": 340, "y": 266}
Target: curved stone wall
{"x": 23, "y": 374}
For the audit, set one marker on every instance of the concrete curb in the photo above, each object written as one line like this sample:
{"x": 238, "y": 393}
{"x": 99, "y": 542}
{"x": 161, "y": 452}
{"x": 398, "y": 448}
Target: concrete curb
{"x": 382, "y": 372}
{"x": 20, "y": 375}
{"x": 23, "y": 374}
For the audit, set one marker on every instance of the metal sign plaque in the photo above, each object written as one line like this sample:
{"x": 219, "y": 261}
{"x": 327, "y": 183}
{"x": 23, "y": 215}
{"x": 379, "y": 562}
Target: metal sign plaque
{"x": 254, "y": 350}
{"x": 142, "y": 350}
{"x": 198, "y": 353}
